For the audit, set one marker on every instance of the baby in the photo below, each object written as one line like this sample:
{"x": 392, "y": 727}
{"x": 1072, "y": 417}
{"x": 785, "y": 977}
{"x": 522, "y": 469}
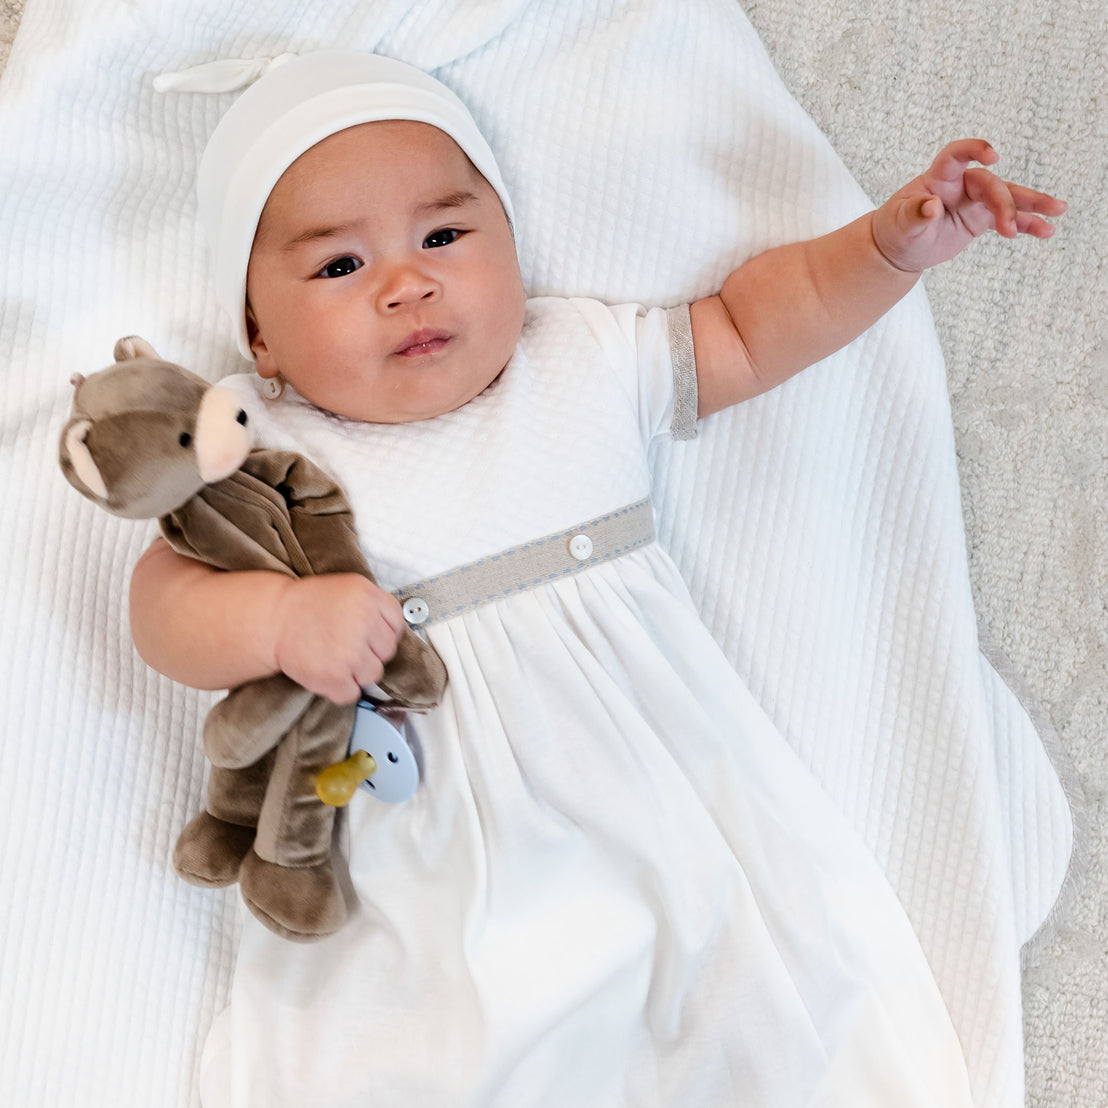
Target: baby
{"x": 616, "y": 885}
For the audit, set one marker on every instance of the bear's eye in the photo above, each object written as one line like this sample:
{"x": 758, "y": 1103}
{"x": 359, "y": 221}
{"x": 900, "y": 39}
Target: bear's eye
{"x": 241, "y": 417}
{"x": 185, "y": 438}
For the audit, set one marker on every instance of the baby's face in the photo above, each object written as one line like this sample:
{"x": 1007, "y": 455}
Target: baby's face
{"x": 383, "y": 282}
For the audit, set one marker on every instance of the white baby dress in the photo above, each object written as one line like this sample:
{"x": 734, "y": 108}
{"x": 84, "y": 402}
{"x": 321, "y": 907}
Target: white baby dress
{"x": 616, "y": 885}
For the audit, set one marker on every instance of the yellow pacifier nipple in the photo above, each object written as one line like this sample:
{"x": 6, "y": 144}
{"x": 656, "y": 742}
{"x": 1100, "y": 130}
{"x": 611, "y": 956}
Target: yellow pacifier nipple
{"x": 336, "y": 784}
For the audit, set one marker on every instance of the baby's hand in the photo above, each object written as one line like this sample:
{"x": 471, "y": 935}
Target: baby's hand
{"x": 935, "y": 216}
{"x": 335, "y": 632}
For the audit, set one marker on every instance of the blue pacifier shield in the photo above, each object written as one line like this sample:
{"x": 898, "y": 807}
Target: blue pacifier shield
{"x": 397, "y": 774}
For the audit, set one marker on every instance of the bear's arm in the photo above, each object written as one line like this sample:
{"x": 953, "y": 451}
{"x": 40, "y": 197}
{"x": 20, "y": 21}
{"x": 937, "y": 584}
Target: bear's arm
{"x": 277, "y": 512}
{"x": 318, "y": 511}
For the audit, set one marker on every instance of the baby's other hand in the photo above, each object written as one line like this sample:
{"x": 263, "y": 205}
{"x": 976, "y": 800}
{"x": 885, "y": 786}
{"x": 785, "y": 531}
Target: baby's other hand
{"x": 935, "y": 216}
{"x": 335, "y": 633}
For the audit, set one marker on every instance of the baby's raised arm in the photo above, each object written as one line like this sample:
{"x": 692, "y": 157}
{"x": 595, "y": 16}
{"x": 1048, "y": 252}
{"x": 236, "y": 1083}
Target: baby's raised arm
{"x": 794, "y": 305}
{"x": 332, "y": 633}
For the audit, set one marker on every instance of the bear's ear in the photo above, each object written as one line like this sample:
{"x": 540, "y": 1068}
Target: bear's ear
{"x": 132, "y": 346}
{"x": 76, "y": 450}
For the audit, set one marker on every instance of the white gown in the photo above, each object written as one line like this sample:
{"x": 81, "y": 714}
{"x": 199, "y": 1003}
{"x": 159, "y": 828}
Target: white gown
{"x": 616, "y": 886}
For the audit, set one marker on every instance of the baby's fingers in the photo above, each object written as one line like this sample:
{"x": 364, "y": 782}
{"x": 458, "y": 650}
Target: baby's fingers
{"x": 381, "y": 638}
{"x": 995, "y": 194}
{"x": 1040, "y": 203}
{"x": 1034, "y": 225}
{"x": 1030, "y": 207}
{"x": 950, "y": 163}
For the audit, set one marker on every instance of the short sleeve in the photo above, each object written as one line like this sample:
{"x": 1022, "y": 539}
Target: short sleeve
{"x": 666, "y": 371}
{"x": 653, "y": 349}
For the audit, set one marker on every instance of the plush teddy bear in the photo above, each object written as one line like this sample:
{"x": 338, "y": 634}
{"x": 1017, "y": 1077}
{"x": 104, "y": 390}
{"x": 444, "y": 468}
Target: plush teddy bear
{"x": 147, "y": 439}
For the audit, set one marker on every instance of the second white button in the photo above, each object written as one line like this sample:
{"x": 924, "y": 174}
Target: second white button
{"x": 580, "y": 546}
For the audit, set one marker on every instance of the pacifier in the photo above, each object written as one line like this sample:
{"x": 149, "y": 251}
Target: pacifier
{"x": 380, "y": 761}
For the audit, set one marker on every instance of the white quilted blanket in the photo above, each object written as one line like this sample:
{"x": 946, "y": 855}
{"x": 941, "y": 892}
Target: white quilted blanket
{"x": 649, "y": 147}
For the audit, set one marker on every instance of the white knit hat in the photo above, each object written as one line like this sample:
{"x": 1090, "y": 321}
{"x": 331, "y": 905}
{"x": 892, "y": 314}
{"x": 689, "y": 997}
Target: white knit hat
{"x": 294, "y": 102}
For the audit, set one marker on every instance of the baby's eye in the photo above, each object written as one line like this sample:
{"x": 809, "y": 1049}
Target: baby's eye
{"x": 441, "y": 238}
{"x": 340, "y": 267}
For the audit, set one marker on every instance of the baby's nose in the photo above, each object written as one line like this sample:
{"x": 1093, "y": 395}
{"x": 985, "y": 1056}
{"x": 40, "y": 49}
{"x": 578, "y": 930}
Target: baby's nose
{"x": 406, "y": 286}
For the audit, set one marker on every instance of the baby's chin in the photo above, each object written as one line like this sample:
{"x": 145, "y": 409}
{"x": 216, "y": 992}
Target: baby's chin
{"x": 435, "y": 402}
{"x": 402, "y": 389}
{"x": 411, "y": 410}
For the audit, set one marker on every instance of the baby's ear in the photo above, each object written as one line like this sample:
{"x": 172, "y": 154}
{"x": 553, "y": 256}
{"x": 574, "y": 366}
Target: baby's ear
{"x": 132, "y": 346}
{"x": 253, "y": 331}
{"x": 263, "y": 363}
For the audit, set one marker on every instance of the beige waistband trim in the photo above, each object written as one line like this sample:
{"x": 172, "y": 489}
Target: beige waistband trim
{"x": 534, "y": 563}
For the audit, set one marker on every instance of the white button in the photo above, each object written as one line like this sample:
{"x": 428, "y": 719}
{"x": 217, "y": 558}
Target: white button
{"x": 416, "y": 610}
{"x": 580, "y": 546}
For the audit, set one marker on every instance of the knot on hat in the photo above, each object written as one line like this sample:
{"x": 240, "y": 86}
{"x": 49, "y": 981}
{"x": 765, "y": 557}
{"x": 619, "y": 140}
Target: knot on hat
{"x": 224, "y": 75}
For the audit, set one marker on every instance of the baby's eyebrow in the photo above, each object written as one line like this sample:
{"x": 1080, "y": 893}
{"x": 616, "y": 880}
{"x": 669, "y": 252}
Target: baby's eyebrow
{"x": 456, "y": 199}
{"x": 313, "y": 234}
{"x": 459, "y": 198}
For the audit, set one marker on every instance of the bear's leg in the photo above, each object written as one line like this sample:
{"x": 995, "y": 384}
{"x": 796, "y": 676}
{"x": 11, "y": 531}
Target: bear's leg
{"x": 288, "y": 880}
{"x": 212, "y": 846}
{"x": 250, "y": 720}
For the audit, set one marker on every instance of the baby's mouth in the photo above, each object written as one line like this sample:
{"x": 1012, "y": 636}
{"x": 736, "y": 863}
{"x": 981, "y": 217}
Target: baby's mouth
{"x": 420, "y": 343}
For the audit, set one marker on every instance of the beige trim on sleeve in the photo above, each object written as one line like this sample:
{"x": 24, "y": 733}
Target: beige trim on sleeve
{"x": 683, "y": 424}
